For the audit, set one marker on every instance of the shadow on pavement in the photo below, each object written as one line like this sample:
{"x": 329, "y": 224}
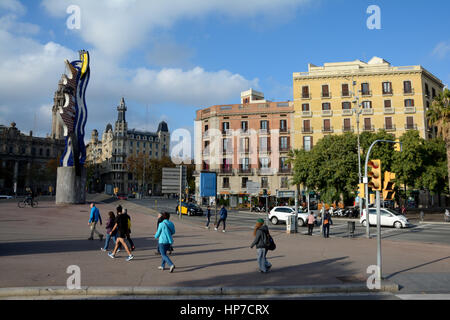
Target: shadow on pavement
{"x": 58, "y": 246}
{"x": 416, "y": 267}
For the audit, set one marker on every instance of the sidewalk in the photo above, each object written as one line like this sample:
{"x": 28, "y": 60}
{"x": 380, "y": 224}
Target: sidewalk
{"x": 37, "y": 245}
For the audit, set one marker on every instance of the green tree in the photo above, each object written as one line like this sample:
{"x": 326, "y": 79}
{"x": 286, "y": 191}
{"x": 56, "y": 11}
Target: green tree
{"x": 438, "y": 116}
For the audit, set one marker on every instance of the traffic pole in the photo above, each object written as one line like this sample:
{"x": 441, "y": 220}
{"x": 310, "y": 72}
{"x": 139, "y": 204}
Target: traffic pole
{"x": 378, "y": 235}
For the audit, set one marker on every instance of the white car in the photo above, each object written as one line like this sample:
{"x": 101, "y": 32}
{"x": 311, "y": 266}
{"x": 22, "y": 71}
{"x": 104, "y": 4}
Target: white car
{"x": 278, "y": 214}
{"x": 5, "y": 197}
{"x": 389, "y": 218}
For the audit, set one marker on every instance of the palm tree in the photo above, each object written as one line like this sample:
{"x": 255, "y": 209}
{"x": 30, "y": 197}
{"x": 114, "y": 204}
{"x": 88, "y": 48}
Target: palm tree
{"x": 439, "y": 116}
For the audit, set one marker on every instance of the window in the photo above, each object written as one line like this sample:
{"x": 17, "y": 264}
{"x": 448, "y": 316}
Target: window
{"x": 245, "y": 145}
{"x": 305, "y": 107}
{"x": 205, "y": 165}
{"x": 367, "y": 104}
{"x": 433, "y": 93}
{"x": 305, "y": 92}
{"x": 306, "y": 125}
{"x": 283, "y": 125}
{"x": 410, "y": 123}
{"x": 387, "y": 88}
{"x": 307, "y": 143}
{"x": 226, "y": 165}
{"x": 347, "y": 124}
{"x": 244, "y": 126}
{"x": 245, "y": 164}
{"x": 206, "y": 128}
{"x": 137, "y": 144}
{"x": 325, "y": 91}
{"x": 225, "y": 127}
{"x": 407, "y": 87}
{"x": 365, "y": 89}
{"x": 264, "y": 143}
{"x": 226, "y": 145}
{"x": 40, "y": 152}
{"x": 387, "y": 104}
{"x": 284, "y": 143}
{"x": 388, "y": 123}
{"x": 326, "y": 106}
{"x": 345, "y": 90}
{"x": 327, "y": 125}
{"x": 427, "y": 90}
{"x": 285, "y": 183}
{"x": 367, "y": 124}
{"x": 264, "y": 182}
{"x": 409, "y": 102}
{"x": 264, "y": 125}
{"x": 284, "y": 166}
{"x": 346, "y": 105}
{"x": 226, "y": 183}
{"x": 264, "y": 163}
{"x": 244, "y": 182}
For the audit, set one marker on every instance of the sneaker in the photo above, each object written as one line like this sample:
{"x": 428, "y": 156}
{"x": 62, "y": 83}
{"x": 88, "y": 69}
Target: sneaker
{"x": 103, "y": 249}
{"x": 215, "y": 229}
{"x": 171, "y": 268}
{"x": 161, "y": 268}
{"x": 118, "y": 250}
{"x": 206, "y": 227}
{"x": 129, "y": 258}
{"x": 223, "y": 230}
{"x": 111, "y": 255}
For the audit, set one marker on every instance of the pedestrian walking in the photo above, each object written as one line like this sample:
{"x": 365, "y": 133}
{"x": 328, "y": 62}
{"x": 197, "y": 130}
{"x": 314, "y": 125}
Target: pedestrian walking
{"x": 121, "y": 226}
{"x": 166, "y": 229}
{"x": 446, "y": 215}
{"x": 223, "y": 218}
{"x": 158, "y": 221}
{"x": 311, "y": 220}
{"x": 261, "y": 234}
{"x": 208, "y": 216}
{"x": 109, "y": 234}
{"x": 125, "y": 212}
{"x": 326, "y": 224}
{"x": 93, "y": 220}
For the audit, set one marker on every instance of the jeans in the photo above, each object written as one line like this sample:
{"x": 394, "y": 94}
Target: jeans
{"x": 209, "y": 219}
{"x": 163, "y": 247}
{"x": 108, "y": 237}
{"x": 326, "y": 230}
{"x": 218, "y": 223}
{"x": 310, "y": 229}
{"x": 263, "y": 264}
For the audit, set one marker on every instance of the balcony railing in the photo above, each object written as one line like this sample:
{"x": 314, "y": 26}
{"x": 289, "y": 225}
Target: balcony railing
{"x": 388, "y": 93}
{"x": 226, "y": 132}
{"x": 347, "y": 129}
{"x": 408, "y": 91}
{"x": 368, "y": 111}
{"x": 284, "y": 131}
{"x": 284, "y": 149}
{"x": 245, "y": 171}
{"x": 306, "y": 96}
{"x": 367, "y": 93}
{"x": 347, "y": 112}
{"x": 226, "y": 171}
{"x": 264, "y": 171}
{"x": 206, "y": 135}
{"x": 389, "y": 110}
{"x": 307, "y": 130}
{"x": 345, "y": 94}
{"x": 264, "y": 131}
{"x": 327, "y": 113}
{"x": 389, "y": 128}
{"x": 285, "y": 170}
{"x": 327, "y": 129}
{"x": 410, "y": 109}
{"x": 368, "y": 128}
{"x": 306, "y": 114}
{"x": 226, "y": 186}
{"x": 326, "y": 95}
{"x": 410, "y": 126}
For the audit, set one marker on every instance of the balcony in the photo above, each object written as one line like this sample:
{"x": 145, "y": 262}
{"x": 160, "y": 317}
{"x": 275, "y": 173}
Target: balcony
{"x": 227, "y": 132}
{"x": 408, "y": 92}
{"x": 226, "y": 186}
{"x": 226, "y": 171}
{"x": 227, "y": 152}
{"x": 307, "y": 130}
{"x": 306, "y": 114}
{"x": 244, "y": 150}
{"x": 409, "y": 110}
{"x": 390, "y": 128}
{"x": 206, "y": 135}
{"x": 265, "y": 171}
{"x": 410, "y": 126}
{"x": 367, "y": 93}
{"x": 244, "y": 171}
{"x": 244, "y": 132}
{"x": 327, "y": 113}
{"x": 264, "y": 132}
{"x": 327, "y": 129}
{"x": 348, "y": 129}
{"x": 264, "y": 151}
{"x": 370, "y": 128}
{"x": 284, "y": 170}
{"x": 345, "y": 94}
{"x": 388, "y": 93}
{"x": 367, "y": 111}
{"x": 389, "y": 110}
{"x": 284, "y": 131}
{"x": 347, "y": 112}
{"x": 284, "y": 149}
{"x": 326, "y": 95}
{"x": 306, "y": 96}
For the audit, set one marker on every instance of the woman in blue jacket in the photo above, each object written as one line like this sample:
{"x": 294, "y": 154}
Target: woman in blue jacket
{"x": 164, "y": 235}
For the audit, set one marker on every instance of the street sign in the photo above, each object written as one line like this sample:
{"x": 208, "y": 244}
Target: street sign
{"x": 253, "y": 188}
{"x": 208, "y": 184}
{"x": 285, "y": 194}
{"x": 171, "y": 180}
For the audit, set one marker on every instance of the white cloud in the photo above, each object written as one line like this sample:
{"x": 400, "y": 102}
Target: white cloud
{"x": 9, "y": 22}
{"x": 13, "y": 5}
{"x": 115, "y": 27}
{"x": 442, "y": 50}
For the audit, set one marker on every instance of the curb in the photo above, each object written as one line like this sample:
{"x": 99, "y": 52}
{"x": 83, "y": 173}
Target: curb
{"x": 386, "y": 286}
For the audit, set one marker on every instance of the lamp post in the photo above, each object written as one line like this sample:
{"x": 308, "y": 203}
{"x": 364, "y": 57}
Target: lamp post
{"x": 357, "y": 110}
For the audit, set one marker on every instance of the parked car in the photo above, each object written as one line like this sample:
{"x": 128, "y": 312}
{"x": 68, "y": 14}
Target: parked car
{"x": 3, "y": 196}
{"x": 278, "y": 214}
{"x": 389, "y": 218}
{"x": 190, "y": 209}
{"x": 122, "y": 196}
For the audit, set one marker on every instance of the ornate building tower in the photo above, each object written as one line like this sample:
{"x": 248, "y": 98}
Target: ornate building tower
{"x": 121, "y": 123}
{"x": 58, "y": 101}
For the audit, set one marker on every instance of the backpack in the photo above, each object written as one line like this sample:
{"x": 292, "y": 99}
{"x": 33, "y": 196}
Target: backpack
{"x": 268, "y": 241}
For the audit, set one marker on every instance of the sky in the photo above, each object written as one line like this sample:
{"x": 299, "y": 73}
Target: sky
{"x": 171, "y": 58}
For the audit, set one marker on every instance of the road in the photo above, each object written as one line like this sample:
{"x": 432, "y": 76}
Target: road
{"x": 427, "y": 233}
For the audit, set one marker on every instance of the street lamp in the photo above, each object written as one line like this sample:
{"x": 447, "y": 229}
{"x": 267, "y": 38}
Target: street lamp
{"x": 357, "y": 110}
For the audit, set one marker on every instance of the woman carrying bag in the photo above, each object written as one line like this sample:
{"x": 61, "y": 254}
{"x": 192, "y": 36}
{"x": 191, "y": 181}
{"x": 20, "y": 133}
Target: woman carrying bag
{"x": 263, "y": 242}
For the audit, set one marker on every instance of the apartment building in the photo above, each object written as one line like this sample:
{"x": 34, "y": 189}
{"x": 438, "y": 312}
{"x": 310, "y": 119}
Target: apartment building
{"x": 246, "y": 142}
{"x": 351, "y": 96}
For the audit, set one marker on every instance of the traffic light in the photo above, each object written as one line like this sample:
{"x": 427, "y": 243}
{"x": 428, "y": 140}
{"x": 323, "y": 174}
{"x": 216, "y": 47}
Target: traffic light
{"x": 388, "y": 188}
{"x": 375, "y": 174}
{"x": 397, "y": 146}
{"x": 361, "y": 191}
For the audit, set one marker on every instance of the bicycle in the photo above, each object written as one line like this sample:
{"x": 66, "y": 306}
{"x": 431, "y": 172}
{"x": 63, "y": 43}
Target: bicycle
{"x": 27, "y": 202}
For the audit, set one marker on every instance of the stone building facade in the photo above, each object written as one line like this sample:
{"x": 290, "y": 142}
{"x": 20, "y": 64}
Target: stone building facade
{"x": 109, "y": 155}
{"x": 24, "y": 160}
